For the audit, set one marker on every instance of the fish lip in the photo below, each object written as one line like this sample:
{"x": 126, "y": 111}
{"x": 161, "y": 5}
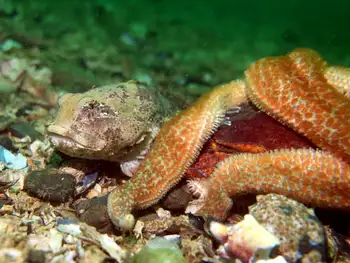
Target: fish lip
{"x": 62, "y": 136}
{"x": 56, "y": 130}
{"x": 59, "y": 135}
{"x": 58, "y": 139}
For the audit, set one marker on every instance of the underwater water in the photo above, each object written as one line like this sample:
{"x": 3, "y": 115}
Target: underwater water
{"x": 96, "y": 94}
{"x": 219, "y": 37}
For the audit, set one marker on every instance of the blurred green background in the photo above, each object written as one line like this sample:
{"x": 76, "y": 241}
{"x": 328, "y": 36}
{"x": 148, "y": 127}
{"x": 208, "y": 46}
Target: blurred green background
{"x": 225, "y": 36}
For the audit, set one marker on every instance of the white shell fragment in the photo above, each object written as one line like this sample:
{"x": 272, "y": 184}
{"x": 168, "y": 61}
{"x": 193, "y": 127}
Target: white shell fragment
{"x": 81, "y": 230}
{"x": 12, "y": 161}
{"x": 246, "y": 240}
{"x": 69, "y": 228}
{"x": 279, "y": 259}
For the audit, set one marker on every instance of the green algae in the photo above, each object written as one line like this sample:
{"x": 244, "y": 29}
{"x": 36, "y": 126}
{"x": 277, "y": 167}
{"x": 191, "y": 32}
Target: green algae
{"x": 159, "y": 250}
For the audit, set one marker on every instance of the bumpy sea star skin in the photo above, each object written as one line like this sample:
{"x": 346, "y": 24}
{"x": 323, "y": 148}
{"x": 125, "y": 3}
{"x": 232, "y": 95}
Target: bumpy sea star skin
{"x": 309, "y": 176}
{"x": 294, "y": 90}
{"x": 251, "y": 131}
{"x": 175, "y": 148}
{"x": 339, "y": 78}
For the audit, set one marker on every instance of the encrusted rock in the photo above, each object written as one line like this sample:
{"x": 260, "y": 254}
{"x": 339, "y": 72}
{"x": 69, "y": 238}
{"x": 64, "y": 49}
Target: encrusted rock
{"x": 301, "y": 234}
{"x": 49, "y": 185}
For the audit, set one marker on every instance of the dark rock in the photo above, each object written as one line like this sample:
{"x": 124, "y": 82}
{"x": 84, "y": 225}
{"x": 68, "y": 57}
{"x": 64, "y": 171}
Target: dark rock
{"x": 94, "y": 213}
{"x": 22, "y": 129}
{"x": 4, "y": 122}
{"x": 36, "y": 256}
{"x": 4, "y": 200}
{"x": 177, "y": 199}
{"x": 24, "y": 111}
{"x": 49, "y": 185}
{"x": 6, "y": 142}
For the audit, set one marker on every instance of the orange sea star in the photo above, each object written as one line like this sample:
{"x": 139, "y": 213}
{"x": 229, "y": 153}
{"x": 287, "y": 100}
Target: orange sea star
{"x": 312, "y": 177}
{"x": 175, "y": 148}
{"x": 296, "y": 90}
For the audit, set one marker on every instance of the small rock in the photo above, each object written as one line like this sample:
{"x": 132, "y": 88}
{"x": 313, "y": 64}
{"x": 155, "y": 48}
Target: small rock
{"x": 177, "y": 199}
{"x": 49, "y": 185}
{"x": 94, "y": 213}
{"x": 301, "y": 234}
{"x": 22, "y": 129}
{"x": 10, "y": 44}
{"x": 36, "y": 256}
{"x": 24, "y": 111}
{"x": 197, "y": 249}
{"x": 7, "y": 143}
{"x": 183, "y": 224}
{"x": 4, "y": 122}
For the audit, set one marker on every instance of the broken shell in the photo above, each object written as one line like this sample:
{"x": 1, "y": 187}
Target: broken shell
{"x": 246, "y": 240}
{"x": 10, "y": 255}
{"x": 13, "y": 179}
{"x": 86, "y": 183}
{"x": 278, "y": 259}
{"x": 69, "y": 227}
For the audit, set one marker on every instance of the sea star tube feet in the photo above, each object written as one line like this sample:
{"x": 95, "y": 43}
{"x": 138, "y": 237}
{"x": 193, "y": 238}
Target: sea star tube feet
{"x": 120, "y": 200}
{"x": 311, "y": 177}
{"x": 175, "y": 148}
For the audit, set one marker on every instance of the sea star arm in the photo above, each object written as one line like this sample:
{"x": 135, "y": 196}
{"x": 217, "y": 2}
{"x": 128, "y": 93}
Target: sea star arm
{"x": 293, "y": 89}
{"x": 312, "y": 177}
{"x": 339, "y": 77}
{"x": 175, "y": 148}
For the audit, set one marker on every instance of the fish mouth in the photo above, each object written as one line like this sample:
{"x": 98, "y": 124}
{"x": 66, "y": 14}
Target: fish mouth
{"x": 63, "y": 139}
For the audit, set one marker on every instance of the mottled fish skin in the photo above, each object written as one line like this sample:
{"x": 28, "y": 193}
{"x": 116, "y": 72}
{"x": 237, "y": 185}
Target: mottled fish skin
{"x": 114, "y": 122}
{"x": 175, "y": 148}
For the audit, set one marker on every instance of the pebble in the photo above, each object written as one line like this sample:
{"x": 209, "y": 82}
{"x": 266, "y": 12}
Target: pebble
{"x": 301, "y": 234}
{"x": 5, "y": 121}
{"x": 36, "y": 256}
{"x": 22, "y": 129}
{"x": 94, "y": 213}
{"x": 177, "y": 199}
{"x": 49, "y": 185}
{"x": 25, "y": 110}
{"x": 7, "y": 143}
